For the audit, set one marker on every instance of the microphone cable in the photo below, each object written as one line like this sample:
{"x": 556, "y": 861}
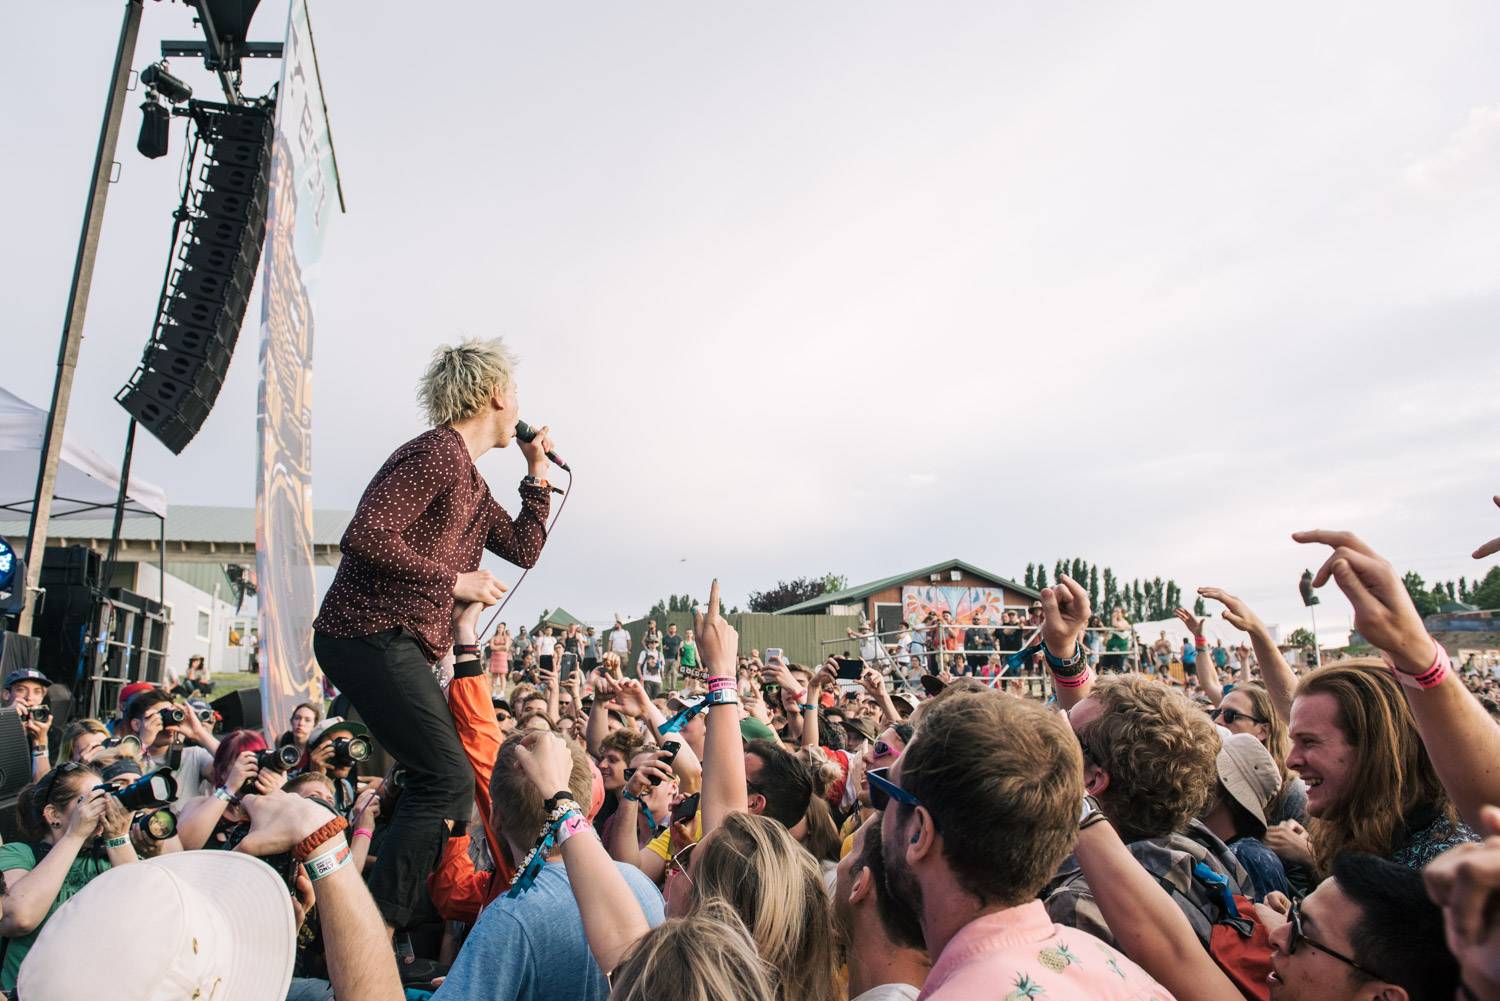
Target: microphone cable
{"x": 567, "y": 491}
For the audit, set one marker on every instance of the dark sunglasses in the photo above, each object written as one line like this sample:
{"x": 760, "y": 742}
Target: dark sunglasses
{"x": 883, "y": 790}
{"x": 884, "y": 750}
{"x": 1298, "y": 936}
{"x": 1231, "y": 716}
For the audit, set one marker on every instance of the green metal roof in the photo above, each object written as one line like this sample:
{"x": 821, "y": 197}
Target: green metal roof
{"x": 865, "y": 590}
{"x": 559, "y": 617}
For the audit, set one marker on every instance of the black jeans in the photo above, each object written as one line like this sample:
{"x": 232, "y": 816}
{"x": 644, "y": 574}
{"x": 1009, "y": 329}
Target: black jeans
{"x": 387, "y": 677}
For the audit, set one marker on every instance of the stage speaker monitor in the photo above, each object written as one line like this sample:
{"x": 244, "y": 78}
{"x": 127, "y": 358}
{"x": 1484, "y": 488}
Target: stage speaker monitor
{"x": 18, "y": 652}
{"x": 241, "y": 709}
{"x": 15, "y": 754}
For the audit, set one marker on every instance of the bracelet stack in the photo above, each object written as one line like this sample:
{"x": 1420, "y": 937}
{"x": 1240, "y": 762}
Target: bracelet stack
{"x": 465, "y": 650}
{"x": 333, "y": 858}
{"x": 1063, "y": 672}
{"x": 563, "y": 822}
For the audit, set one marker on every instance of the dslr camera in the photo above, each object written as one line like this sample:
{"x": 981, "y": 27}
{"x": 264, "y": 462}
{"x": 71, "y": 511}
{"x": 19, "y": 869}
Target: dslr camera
{"x": 349, "y": 751}
{"x": 42, "y": 714}
{"x": 158, "y": 825}
{"x": 173, "y": 716}
{"x": 152, "y": 791}
{"x": 278, "y": 759}
{"x": 129, "y": 742}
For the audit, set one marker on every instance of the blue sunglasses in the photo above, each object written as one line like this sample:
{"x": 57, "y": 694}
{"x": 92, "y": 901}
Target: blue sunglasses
{"x": 883, "y": 790}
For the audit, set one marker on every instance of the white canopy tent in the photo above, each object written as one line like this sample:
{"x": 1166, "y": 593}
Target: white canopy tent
{"x": 86, "y": 483}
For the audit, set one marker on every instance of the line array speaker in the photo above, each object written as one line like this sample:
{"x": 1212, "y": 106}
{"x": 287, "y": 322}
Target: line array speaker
{"x": 213, "y": 270}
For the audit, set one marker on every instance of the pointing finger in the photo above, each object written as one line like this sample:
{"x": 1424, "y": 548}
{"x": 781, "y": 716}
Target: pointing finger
{"x": 713, "y": 599}
{"x": 1336, "y": 539}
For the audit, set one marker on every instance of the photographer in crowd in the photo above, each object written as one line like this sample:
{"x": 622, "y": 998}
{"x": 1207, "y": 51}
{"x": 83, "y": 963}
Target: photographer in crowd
{"x": 172, "y": 736}
{"x": 26, "y": 692}
{"x": 73, "y": 832}
{"x": 81, "y": 740}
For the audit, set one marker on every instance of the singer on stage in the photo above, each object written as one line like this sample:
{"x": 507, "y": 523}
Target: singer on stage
{"x": 412, "y": 552}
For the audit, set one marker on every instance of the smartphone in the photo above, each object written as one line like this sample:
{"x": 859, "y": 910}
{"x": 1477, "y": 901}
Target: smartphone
{"x": 850, "y": 668}
{"x": 569, "y": 664}
{"x": 686, "y": 810}
{"x": 773, "y": 653}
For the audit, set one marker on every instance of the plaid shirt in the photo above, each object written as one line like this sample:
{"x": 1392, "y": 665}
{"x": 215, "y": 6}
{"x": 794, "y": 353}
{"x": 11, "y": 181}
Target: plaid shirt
{"x": 1070, "y": 902}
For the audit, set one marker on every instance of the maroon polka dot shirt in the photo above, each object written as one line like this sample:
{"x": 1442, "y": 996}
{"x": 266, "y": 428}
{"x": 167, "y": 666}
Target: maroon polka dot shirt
{"x": 421, "y": 522}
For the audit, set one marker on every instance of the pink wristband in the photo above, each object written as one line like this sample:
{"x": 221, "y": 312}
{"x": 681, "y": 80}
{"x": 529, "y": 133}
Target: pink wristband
{"x": 719, "y": 684}
{"x": 1430, "y": 678}
{"x": 365, "y": 831}
{"x": 1077, "y": 681}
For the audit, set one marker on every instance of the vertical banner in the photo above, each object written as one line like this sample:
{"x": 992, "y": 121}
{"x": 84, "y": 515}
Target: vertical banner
{"x": 302, "y": 198}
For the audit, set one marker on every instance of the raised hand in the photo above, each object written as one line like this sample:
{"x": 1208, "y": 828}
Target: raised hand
{"x": 718, "y": 641}
{"x": 1491, "y": 547}
{"x": 546, "y": 760}
{"x": 278, "y": 821}
{"x": 536, "y": 451}
{"x": 466, "y": 621}
{"x": 630, "y": 696}
{"x": 1187, "y": 618}
{"x": 1236, "y": 612}
{"x": 478, "y": 585}
{"x": 1465, "y": 883}
{"x": 1065, "y": 615}
{"x": 873, "y": 682}
{"x": 1383, "y": 611}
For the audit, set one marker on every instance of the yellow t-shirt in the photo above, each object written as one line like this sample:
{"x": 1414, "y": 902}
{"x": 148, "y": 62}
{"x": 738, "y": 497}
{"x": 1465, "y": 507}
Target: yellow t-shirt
{"x": 661, "y": 845}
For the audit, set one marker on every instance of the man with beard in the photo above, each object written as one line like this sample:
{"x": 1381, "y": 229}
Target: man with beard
{"x": 973, "y": 837}
{"x": 882, "y": 938}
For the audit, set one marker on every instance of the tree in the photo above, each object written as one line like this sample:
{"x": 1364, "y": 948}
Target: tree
{"x": 1094, "y": 586}
{"x": 1486, "y": 593}
{"x": 1463, "y": 589}
{"x": 1111, "y": 591}
{"x": 787, "y": 593}
{"x": 1199, "y": 609}
{"x": 1301, "y": 639}
{"x": 1031, "y": 576}
{"x": 1420, "y": 596}
{"x": 1041, "y": 577}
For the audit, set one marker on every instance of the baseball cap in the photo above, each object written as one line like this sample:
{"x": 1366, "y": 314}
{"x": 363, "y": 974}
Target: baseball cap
{"x": 334, "y": 725}
{"x": 133, "y": 689}
{"x": 223, "y": 928}
{"x": 1248, "y": 772}
{"x": 753, "y": 729}
{"x": 27, "y": 674}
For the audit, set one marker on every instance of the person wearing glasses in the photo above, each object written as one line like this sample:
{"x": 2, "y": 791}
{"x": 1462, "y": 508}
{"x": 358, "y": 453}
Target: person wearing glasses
{"x": 73, "y": 833}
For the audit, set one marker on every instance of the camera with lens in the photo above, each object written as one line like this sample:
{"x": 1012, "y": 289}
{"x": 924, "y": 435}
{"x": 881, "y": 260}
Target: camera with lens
{"x": 151, "y": 791}
{"x": 398, "y": 778}
{"x": 278, "y": 759}
{"x": 41, "y": 714}
{"x": 173, "y": 716}
{"x": 130, "y": 742}
{"x": 349, "y": 751}
{"x": 206, "y": 716}
{"x": 158, "y": 825}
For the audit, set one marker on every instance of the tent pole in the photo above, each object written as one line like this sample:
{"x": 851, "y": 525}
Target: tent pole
{"x": 78, "y": 295}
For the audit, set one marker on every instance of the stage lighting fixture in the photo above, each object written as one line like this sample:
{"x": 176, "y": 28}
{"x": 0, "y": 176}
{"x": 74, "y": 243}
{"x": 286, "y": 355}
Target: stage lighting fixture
{"x": 157, "y": 79}
{"x": 156, "y": 124}
{"x": 12, "y": 580}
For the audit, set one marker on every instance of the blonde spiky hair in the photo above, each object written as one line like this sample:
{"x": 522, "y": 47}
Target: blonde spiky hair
{"x": 458, "y": 383}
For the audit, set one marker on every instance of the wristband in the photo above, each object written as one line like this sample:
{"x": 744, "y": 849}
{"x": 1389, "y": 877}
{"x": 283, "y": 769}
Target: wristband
{"x": 119, "y": 842}
{"x": 571, "y": 825}
{"x": 363, "y": 832}
{"x": 1056, "y": 663}
{"x": 329, "y": 862}
{"x": 223, "y": 795}
{"x": 460, "y": 649}
{"x": 1200, "y": 642}
{"x": 38, "y": 752}
{"x": 1430, "y": 678}
{"x": 807, "y": 707}
{"x": 1074, "y": 680}
{"x": 716, "y": 684}
{"x": 321, "y": 836}
{"x": 727, "y": 696}
{"x": 562, "y": 809}
{"x": 550, "y": 803}
{"x": 630, "y": 796}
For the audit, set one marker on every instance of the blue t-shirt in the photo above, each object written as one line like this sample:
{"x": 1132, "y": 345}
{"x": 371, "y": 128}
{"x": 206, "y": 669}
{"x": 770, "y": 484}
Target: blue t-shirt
{"x": 532, "y": 947}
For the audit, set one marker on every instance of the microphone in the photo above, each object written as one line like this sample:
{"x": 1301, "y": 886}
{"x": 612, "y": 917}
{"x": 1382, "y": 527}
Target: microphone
{"x": 527, "y": 433}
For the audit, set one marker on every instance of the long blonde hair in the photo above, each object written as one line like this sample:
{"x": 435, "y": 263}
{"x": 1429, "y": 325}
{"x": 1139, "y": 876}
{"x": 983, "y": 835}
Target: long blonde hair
{"x": 757, "y": 868}
{"x": 1393, "y": 780}
{"x": 708, "y": 956}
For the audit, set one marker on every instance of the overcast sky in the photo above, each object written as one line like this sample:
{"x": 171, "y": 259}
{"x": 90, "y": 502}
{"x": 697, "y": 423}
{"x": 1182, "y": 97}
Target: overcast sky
{"x": 858, "y": 287}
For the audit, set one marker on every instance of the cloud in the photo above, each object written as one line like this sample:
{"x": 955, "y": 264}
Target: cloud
{"x": 1468, "y": 162}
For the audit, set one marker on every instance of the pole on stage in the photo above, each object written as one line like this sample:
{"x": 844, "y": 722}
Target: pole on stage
{"x": 78, "y": 297}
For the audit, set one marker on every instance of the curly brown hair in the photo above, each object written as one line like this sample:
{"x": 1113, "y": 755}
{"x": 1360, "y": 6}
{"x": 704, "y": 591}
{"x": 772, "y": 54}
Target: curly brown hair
{"x": 628, "y": 743}
{"x": 1393, "y": 779}
{"x": 1159, "y": 751}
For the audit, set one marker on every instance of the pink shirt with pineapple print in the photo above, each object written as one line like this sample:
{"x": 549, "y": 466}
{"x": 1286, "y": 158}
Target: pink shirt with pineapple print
{"x": 1019, "y": 953}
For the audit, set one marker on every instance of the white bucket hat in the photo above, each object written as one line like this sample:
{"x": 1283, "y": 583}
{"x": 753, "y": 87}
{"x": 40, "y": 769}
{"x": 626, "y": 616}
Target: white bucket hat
{"x": 224, "y": 932}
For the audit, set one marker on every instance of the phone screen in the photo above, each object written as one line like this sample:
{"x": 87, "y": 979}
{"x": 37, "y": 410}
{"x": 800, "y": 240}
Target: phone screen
{"x": 773, "y": 653}
{"x": 850, "y": 669}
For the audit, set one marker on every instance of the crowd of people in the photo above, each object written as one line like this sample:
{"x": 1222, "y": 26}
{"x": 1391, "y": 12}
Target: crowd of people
{"x": 696, "y": 821}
